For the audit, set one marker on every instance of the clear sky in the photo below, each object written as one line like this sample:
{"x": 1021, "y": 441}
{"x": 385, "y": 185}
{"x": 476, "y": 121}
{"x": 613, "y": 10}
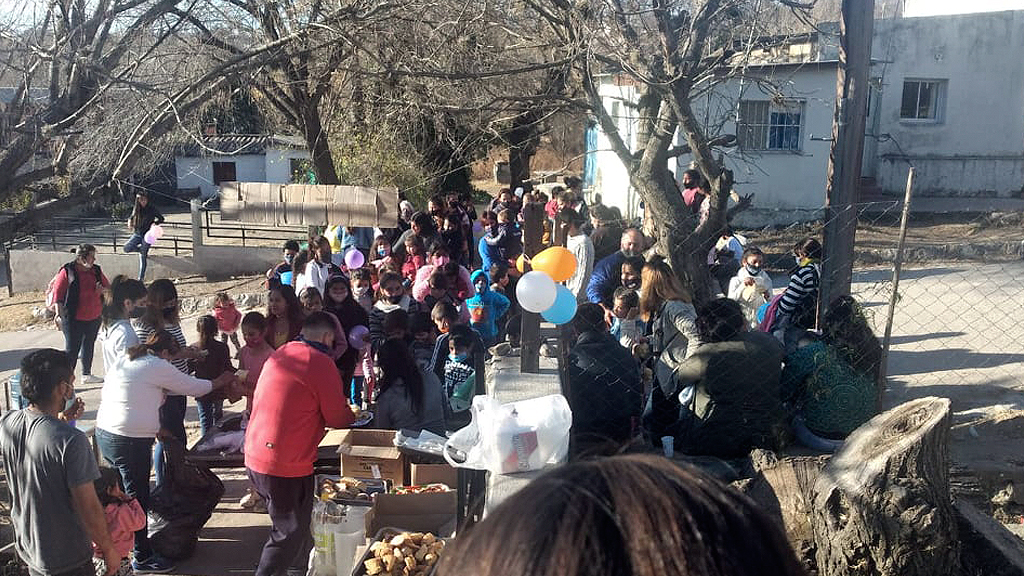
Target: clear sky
{"x": 935, "y": 7}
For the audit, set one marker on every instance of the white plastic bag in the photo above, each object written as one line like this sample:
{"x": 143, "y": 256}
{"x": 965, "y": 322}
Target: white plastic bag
{"x": 516, "y": 437}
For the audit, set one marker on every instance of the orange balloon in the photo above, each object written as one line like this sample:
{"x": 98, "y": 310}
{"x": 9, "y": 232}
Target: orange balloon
{"x": 557, "y": 262}
{"x": 521, "y": 263}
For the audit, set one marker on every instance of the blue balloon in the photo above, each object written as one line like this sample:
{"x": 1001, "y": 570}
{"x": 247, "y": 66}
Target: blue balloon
{"x": 563, "y": 309}
{"x": 286, "y": 278}
{"x": 761, "y": 311}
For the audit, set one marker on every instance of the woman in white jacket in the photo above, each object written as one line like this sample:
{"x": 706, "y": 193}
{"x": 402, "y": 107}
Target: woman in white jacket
{"x": 128, "y": 420}
{"x": 127, "y": 300}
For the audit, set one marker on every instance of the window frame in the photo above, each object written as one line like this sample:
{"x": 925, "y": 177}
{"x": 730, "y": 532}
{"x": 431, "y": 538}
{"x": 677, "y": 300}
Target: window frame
{"x": 790, "y": 106}
{"x": 938, "y": 100}
{"x": 234, "y": 170}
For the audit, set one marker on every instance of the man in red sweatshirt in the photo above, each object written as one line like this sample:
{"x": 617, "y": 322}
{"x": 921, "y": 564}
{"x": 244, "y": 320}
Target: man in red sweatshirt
{"x": 298, "y": 393}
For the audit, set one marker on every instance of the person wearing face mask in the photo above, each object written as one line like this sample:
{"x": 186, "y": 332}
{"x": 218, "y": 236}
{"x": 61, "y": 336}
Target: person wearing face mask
{"x": 298, "y": 394}
{"x": 606, "y": 276}
{"x": 798, "y": 307}
{"x": 77, "y": 292}
{"x": 751, "y": 286}
{"x": 440, "y": 260}
{"x": 409, "y": 397}
{"x": 486, "y": 308}
{"x": 393, "y": 297}
{"x": 290, "y": 250}
{"x": 126, "y": 300}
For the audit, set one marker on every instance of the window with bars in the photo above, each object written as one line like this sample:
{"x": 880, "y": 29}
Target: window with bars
{"x": 922, "y": 100}
{"x": 770, "y": 126}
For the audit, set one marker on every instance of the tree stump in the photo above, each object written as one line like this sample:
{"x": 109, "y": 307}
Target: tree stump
{"x": 882, "y": 504}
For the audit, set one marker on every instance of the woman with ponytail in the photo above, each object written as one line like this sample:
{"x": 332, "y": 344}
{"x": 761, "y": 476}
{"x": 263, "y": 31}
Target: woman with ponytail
{"x": 126, "y": 299}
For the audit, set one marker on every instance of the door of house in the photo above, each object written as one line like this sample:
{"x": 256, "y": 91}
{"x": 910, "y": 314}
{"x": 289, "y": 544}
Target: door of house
{"x": 224, "y": 172}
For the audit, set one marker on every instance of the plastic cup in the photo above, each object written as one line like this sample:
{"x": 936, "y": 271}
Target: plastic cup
{"x": 668, "y": 444}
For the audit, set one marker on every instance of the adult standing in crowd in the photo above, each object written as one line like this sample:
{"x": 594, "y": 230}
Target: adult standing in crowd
{"x": 298, "y": 394}
{"x": 582, "y": 248}
{"x": 164, "y": 313}
{"x": 422, "y": 225}
{"x": 409, "y": 397}
{"x": 78, "y": 294}
{"x": 606, "y": 275}
{"x": 728, "y": 390}
{"x": 144, "y": 215}
{"x": 49, "y": 470}
{"x": 605, "y": 391}
{"x": 127, "y": 301}
{"x": 129, "y": 418}
{"x": 607, "y": 231}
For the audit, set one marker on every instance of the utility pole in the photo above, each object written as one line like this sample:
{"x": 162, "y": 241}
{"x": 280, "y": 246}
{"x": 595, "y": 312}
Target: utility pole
{"x": 847, "y": 153}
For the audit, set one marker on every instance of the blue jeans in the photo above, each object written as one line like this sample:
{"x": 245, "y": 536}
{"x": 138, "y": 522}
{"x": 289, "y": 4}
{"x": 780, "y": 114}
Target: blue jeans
{"x": 137, "y": 244}
{"x": 210, "y": 411}
{"x": 80, "y": 337}
{"x": 132, "y": 457}
{"x": 172, "y": 418}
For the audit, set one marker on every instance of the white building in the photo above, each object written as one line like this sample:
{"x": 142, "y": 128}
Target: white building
{"x": 240, "y": 158}
{"x": 947, "y": 96}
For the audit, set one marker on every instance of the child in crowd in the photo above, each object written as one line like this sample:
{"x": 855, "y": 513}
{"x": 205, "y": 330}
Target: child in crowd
{"x": 499, "y": 278}
{"x": 424, "y": 337}
{"x": 381, "y": 253}
{"x": 124, "y": 516}
{"x": 415, "y": 257}
{"x": 627, "y": 327}
{"x": 290, "y": 250}
{"x": 459, "y": 377}
{"x": 313, "y": 302}
{"x": 340, "y": 301}
{"x": 508, "y": 328}
{"x": 751, "y": 286}
{"x": 505, "y": 236}
{"x": 228, "y": 318}
{"x": 284, "y": 316}
{"x": 251, "y": 358}
{"x": 486, "y": 309}
{"x": 396, "y": 325}
{"x": 446, "y": 318}
{"x": 392, "y": 297}
{"x": 453, "y": 235}
{"x": 215, "y": 360}
{"x": 362, "y": 288}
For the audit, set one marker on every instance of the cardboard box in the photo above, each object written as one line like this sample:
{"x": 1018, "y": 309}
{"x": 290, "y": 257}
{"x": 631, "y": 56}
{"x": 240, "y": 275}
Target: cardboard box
{"x": 372, "y": 454}
{"x": 434, "y": 513}
{"x": 420, "y": 474}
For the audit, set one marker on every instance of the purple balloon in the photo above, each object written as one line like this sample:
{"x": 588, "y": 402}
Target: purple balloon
{"x": 354, "y": 259}
{"x": 357, "y": 335}
{"x": 149, "y": 238}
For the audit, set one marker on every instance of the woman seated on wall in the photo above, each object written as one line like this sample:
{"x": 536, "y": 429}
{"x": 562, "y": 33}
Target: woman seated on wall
{"x": 831, "y": 383}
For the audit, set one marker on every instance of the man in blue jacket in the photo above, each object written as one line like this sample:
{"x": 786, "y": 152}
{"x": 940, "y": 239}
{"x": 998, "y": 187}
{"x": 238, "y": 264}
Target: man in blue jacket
{"x": 606, "y": 276}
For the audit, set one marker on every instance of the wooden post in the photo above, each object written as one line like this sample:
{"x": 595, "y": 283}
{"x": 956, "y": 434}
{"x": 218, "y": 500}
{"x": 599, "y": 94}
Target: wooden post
{"x": 533, "y": 233}
{"x": 896, "y": 268}
{"x": 847, "y": 150}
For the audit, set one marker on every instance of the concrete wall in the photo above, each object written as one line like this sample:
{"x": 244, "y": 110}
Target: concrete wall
{"x": 976, "y": 146}
{"x": 33, "y": 269}
{"x": 611, "y": 180}
{"x": 195, "y": 172}
{"x": 278, "y": 168}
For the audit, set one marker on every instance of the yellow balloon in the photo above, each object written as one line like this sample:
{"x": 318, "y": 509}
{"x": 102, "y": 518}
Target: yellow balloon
{"x": 331, "y": 233}
{"x": 558, "y": 262}
{"x": 521, "y": 263}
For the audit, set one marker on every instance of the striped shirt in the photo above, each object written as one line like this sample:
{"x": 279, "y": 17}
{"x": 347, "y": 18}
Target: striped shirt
{"x": 144, "y": 331}
{"x": 802, "y": 284}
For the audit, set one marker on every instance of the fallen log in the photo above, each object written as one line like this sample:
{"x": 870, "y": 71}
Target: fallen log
{"x": 988, "y": 547}
{"x": 881, "y": 506}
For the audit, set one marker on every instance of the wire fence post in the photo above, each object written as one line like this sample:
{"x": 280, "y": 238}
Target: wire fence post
{"x": 894, "y": 296}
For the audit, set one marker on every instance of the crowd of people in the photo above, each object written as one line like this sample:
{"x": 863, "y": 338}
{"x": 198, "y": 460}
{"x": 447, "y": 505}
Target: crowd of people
{"x": 406, "y": 327}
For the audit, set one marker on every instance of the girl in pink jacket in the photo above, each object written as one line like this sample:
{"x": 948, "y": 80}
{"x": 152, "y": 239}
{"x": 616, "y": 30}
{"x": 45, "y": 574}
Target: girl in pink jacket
{"x": 124, "y": 517}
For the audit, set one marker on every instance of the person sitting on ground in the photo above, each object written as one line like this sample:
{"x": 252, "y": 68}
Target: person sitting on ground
{"x": 729, "y": 388}
{"x": 635, "y": 515}
{"x": 298, "y": 395}
{"x": 486, "y": 309}
{"x": 408, "y": 397}
{"x": 606, "y": 276}
{"x": 606, "y": 393}
{"x": 627, "y": 327}
{"x": 831, "y": 384}
{"x": 751, "y": 286}
{"x": 49, "y": 469}
{"x": 798, "y": 306}
{"x": 289, "y": 251}
{"x": 124, "y": 517}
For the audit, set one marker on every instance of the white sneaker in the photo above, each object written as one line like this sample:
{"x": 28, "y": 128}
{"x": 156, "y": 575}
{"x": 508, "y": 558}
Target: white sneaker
{"x": 250, "y": 499}
{"x": 90, "y": 379}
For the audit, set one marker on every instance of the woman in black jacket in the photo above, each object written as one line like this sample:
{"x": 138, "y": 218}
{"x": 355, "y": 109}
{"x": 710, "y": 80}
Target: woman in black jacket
{"x": 143, "y": 216}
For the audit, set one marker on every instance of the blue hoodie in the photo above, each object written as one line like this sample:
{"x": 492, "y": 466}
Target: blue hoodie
{"x": 486, "y": 308}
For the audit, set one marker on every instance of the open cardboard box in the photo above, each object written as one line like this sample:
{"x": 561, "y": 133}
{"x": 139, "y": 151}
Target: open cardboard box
{"x": 422, "y": 474}
{"x": 370, "y": 454}
{"x": 435, "y": 513}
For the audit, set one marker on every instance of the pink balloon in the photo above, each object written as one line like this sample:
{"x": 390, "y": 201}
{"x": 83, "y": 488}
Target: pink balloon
{"x": 157, "y": 230}
{"x": 149, "y": 238}
{"x": 354, "y": 259}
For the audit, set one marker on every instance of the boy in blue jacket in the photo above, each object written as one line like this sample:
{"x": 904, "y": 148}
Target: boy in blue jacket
{"x": 486, "y": 308}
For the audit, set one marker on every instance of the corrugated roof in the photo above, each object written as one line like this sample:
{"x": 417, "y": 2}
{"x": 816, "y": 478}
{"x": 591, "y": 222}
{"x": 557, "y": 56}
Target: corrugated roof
{"x": 238, "y": 144}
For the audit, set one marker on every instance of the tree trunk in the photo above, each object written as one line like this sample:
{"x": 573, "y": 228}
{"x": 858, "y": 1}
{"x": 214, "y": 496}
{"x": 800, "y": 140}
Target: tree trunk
{"x": 882, "y": 505}
{"x": 319, "y": 148}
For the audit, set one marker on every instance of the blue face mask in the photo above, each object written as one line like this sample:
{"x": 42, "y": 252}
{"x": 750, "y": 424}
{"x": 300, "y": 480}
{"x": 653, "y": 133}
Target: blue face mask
{"x": 454, "y": 357}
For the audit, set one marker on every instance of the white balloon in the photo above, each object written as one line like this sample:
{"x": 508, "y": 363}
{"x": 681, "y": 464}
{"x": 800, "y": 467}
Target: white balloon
{"x": 536, "y": 291}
